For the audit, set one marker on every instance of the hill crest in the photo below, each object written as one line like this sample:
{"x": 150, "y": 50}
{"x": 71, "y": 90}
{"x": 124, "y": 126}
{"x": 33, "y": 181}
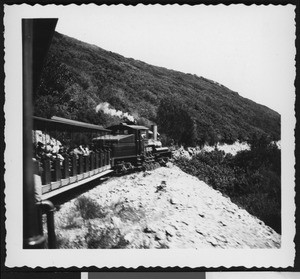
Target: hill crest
{"x": 77, "y": 77}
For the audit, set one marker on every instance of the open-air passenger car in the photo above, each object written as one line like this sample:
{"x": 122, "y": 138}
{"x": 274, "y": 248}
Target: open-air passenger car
{"x": 59, "y": 175}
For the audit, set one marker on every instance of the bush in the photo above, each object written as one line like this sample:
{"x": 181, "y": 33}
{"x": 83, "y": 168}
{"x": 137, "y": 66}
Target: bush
{"x": 104, "y": 238}
{"x": 88, "y": 208}
{"x": 252, "y": 178}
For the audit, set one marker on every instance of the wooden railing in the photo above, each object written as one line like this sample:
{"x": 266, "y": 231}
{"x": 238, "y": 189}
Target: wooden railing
{"x": 56, "y": 174}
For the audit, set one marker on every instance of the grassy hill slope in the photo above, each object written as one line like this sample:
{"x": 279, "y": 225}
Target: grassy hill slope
{"x": 78, "y": 76}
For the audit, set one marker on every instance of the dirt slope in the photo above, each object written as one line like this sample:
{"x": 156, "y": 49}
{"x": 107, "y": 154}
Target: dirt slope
{"x": 163, "y": 208}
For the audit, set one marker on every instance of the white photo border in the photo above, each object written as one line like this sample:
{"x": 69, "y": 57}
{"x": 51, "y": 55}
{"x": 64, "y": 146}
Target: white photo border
{"x": 209, "y": 258}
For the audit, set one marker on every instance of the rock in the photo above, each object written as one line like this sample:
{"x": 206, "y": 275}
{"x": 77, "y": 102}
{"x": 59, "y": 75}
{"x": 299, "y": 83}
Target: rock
{"x": 116, "y": 222}
{"x": 178, "y": 233}
{"x": 174, "y": 201}
{"x": 147, "y": 243}
{"x": 198, "y": 230}
{"x": 129, "y": 237}
{"x": 161, "y": 187}
{"x": 222, "y": 223}
{"x": 169, "y": 165}
{"x": 190, "y": 150}
{"x": 163, "y": 244}
{"x": 170, "y": 231}
{"x": 221, "y": 238}
{"x": 150, "y": 229}
{"x": 212, "y": 240}
{"x": 160, "y": 235}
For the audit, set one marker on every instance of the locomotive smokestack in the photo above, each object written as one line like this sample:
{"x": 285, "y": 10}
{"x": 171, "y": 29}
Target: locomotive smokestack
{"x": 154, "y": 130}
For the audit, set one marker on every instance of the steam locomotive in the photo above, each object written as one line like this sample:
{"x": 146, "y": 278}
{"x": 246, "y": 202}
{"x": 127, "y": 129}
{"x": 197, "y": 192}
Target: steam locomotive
{"x": 133, "y": 146}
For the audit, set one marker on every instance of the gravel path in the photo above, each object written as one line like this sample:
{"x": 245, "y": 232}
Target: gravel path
{"x": 163, "y": 208}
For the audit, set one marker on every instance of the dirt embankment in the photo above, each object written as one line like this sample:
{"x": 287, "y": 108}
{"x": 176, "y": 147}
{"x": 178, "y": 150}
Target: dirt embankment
{"x": 163, "y": 208}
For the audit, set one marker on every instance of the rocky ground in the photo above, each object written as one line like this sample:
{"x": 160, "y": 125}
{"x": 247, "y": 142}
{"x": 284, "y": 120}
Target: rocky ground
{"x": 163, "y": 208}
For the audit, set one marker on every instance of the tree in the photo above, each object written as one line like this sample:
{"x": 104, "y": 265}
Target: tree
{"x": 175, "y": 121}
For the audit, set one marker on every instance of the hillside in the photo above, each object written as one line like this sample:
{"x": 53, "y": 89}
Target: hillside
{"x": 163, "y": 208}
{"x": 79, "y": 77}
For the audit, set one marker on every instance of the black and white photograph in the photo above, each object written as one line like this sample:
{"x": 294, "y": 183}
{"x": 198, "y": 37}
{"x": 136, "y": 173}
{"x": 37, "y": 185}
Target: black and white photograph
{"x": 150, "y": 135}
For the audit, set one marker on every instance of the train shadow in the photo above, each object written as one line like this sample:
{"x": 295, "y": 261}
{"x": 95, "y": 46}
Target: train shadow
{"x": 74, "y": 193}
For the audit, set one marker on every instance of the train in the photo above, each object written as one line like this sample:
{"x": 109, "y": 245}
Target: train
{"x": 133, "y": 147}
{"x": 117, "y": 149}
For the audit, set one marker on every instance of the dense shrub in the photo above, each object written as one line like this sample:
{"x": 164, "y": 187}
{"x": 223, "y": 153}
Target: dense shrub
{"x": 252, "y": 178}
{"x": 108, "y": 238}
{"x": 176, "y": 122}
{"x": 89, "y": 209}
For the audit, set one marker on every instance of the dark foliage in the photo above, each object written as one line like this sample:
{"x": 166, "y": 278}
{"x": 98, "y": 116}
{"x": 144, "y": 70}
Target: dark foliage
{"x": 104, "y": 238}
{"x": 174, "y": 120}
{"x": 89, "y": 209}
{"x": 252, "y": 179}
{"x": 78, "y": 76}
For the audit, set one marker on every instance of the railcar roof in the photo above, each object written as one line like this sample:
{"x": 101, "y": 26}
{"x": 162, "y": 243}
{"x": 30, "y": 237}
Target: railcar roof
{"x": 135, "y": 127}
{"x": 59, "y": 123}
{"x": 113, "y": 137}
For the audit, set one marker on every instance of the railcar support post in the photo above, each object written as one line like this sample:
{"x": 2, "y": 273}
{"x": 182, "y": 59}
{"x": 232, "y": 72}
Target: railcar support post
{"x": 80, "y": 166}
{"x": 97, "y": 164}
{"x": 92, "y": 166}
{"x": 57, "y": 170}
{"x": 101, "y": 158}
{"x": 66, "y": 167}
{"x": 31, "y": 233}
{"x": 36, "y": 38}
{"x": 46, "y": 175}
{"x": 73, "y": 165}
